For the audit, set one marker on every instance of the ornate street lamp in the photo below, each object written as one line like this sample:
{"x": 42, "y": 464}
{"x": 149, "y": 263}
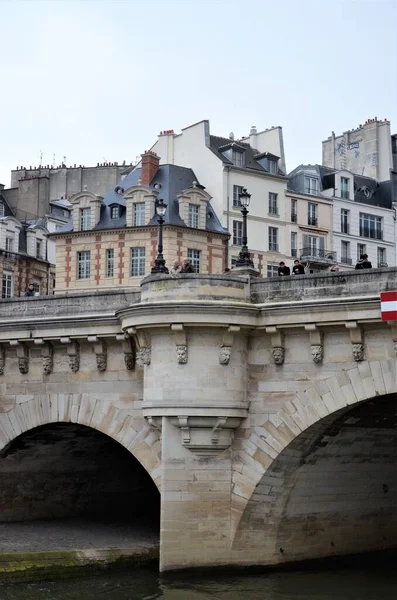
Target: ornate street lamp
{"x": 159, "y": 263}
{"x": 244, "y": 259}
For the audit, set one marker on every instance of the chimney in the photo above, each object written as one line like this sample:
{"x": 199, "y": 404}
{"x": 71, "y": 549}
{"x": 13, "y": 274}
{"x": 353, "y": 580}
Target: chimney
{"x": 253, "y": 134}
{"x": 150, "y": 166}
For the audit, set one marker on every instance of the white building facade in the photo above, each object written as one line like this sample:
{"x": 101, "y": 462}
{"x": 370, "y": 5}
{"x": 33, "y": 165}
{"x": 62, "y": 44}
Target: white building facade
{"x": 257, "y": 163}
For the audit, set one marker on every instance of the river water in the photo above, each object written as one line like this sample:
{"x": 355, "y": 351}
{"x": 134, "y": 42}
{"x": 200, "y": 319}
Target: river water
{"x": 376, "y": 583}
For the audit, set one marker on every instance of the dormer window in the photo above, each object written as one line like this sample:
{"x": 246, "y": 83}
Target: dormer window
{"x": 114, "y": 212}
{"x": 238, "y": 158}
{"x": 139, "y": 213}
{"x": 38, "y": 249}
{"x": 85, "y": 219}
{"x": 311, "y": 185}
{"x": 193, "y": 215}
{"x": 9, "y": 243}
{"x": 272, "y": 166}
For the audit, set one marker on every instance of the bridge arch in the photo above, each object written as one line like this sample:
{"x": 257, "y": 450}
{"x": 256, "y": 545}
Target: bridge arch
{"x": 129, "y": 430}
{"x": 265, "y": 451}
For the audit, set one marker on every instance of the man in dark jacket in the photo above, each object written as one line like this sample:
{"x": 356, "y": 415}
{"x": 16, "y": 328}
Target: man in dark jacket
{"x": 283, "y": 270}
{"x": 187, "y": 267}
{"x": 30, "y": 290}
{"x": 363, "y": 263}
{"x": 298, "y": 268}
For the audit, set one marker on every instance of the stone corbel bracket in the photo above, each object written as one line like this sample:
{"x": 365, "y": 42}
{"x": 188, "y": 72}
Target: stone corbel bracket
{"x": 316, "y": 342}
{"x": 142, "y": 341}
{"x": 23, "y": 356}
{"x": 73, "y": 350}
{"x": 47, "y": 354}
{"x": 227, "y": 344}
{"x": 129, "y": 354}
{"x": 393, "y": 327}
{"x": 101, "y": 352}
{"x": 206, "y": 435}
{"x": 180, "y": 342}
{"x": 356, "y": 339}
{"x": 277, "y": 341}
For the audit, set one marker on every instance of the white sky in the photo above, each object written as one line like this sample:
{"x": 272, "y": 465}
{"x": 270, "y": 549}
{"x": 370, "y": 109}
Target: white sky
{"x": 97, "y": 81}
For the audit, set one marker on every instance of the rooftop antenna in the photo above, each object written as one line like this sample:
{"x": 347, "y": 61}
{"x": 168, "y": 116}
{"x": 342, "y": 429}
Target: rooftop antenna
{"x": 53, "y": 160}
{"x": 41, "y": 160}
{"x": 64, "y": 160}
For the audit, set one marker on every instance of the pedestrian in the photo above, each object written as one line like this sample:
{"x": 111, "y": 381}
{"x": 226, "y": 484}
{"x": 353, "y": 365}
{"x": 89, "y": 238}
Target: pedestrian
{"x": 363, "y": 262}
{"x": 226, "y": 271}
{"x": 176, "y": 267}
{"x": 29, "y": 290}
{"x": 187, "y": 267}
{"x": 298, "y": 268}
{"x": 283, "y": 269}
{"x": 333, "y": 268}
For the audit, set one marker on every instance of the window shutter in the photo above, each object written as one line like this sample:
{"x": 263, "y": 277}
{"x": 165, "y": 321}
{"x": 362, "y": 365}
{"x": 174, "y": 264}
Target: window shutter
{"x": 306, "y": 241}
{"x": 322, "y": 243}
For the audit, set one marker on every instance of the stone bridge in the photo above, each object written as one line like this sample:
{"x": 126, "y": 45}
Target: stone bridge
{"x": 263, "y": 410}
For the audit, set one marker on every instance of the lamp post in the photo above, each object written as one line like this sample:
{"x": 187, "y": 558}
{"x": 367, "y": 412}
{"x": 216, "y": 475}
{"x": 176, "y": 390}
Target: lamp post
{"x": 159, "y": 263}
{"x": 244, "y": 259}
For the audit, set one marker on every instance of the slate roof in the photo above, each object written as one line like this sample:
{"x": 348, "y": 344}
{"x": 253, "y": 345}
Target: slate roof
{"x": 251, "y": 154}
{"x": 172, "y": 180}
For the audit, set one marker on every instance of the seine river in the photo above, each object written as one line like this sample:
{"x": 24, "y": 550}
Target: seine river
{"x": 347, "y": 584}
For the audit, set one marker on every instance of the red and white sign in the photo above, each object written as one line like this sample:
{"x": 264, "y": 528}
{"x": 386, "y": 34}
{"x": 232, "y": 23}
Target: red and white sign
{"x": 388, "y": 306}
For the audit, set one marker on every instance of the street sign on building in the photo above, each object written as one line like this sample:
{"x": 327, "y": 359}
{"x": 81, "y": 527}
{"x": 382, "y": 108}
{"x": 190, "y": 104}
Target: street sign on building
{"x": 388, "y": 306}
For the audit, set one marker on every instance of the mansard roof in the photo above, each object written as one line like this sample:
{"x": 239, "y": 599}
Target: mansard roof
{"x": 220, "y": 144}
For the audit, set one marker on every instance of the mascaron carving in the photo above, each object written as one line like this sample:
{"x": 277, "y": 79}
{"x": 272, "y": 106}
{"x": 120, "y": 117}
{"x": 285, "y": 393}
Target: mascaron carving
{"x": 74, "y": 356}
{"x": 224, "y": 355}
{"x": 129, "y": 360}
{"x": 317, "y": 353}
{"x": 102, "y": 359}
{"x": 143, "y": 357}
{"x": 278, "y": 355}
{"x": 48, "y": 359}
{"x": 358, "y": 352}
{"x": 181, "y": 351}
{"x": 23, "y": 360}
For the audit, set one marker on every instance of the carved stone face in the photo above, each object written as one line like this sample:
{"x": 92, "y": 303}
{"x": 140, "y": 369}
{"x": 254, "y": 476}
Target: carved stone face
{"x": 278, "y": 355}
{"x": 143, "y": 357}
{"x": 358, "y": 352}
{"x": 181, "y": 351}
{"x": 224, "y": 355}
{"x": 317, "y": 353}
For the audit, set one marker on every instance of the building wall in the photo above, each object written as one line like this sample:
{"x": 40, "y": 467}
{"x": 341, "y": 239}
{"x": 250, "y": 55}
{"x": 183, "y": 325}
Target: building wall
{"x": 365, "y": 150}
{"x": 24, "y": 270}
{"x": 355, "y": 208}
{"x": 176, "y": 242}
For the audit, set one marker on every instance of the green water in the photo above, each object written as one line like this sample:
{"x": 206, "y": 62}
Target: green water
{"x": 348, "y": 584}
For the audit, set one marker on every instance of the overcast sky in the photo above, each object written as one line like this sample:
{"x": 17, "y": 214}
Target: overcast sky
{"x": 96, "y": 81}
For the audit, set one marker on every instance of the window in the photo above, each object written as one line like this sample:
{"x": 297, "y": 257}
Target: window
{"x": 38, "y": 248}
{"x": 238, "y": 158}
{"x": 139, "y": 213}
{"x": 312, "y": 214}
{"x": 1, "y": 209}
{"x": 273, "y": 209}
{"x": 109, "y": 266}
{"x": 272, "y": 166}
{"x": 273, "y": 239}
{"x": 137, "y": 262}
{"x": 294, "y": 210}
{"x": 345, "y": 253}
{"x": 9, "y": 244}
{"x": 85, "y": 219}
{"x": 6, "y": 286}
{"x": 382, "y": 257}
{"x": 344, "y": 220}
{"x": 361, "y": 249}
{"x": 344, "y": 188}
{"x": 194, "y": 258}
{"x": 114, "y": 212}
{"x": 237, "y": 190}
{"x": 193, "y": 215}
{"x": 313, "y": 246}
{"x": 371, "y": 226}
{"x": 36, "y": 286}
{"x": 311, "y": 185}
{"x": 84, "y": 264}
{"x": 294, "y": 243}
{"x": 272, "y": 270}
{"x": 237, "y": 233}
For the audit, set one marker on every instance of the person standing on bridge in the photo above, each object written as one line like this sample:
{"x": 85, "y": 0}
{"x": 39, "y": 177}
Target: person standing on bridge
{"x": 283, "y": 270}
{"x": 29, "y": 290}
{"x": 298, "y": 268}
{"x": 363, "y": 263}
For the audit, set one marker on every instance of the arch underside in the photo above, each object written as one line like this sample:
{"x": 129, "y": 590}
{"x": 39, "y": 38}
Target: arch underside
{"x": 331, "y": 491}
{"x": 130, "y": 431}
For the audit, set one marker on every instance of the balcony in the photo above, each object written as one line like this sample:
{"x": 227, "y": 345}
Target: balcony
{"x": 312, "y": 221}
{"x": 294, "y": 217}
{"x": 318, "y": 256}
{"x": 346, "y": 260}
{"x": 273, "y": 247}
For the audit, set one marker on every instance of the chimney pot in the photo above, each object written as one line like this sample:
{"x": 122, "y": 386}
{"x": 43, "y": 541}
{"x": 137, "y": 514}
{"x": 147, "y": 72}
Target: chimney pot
{"x": 150, "y": 166}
